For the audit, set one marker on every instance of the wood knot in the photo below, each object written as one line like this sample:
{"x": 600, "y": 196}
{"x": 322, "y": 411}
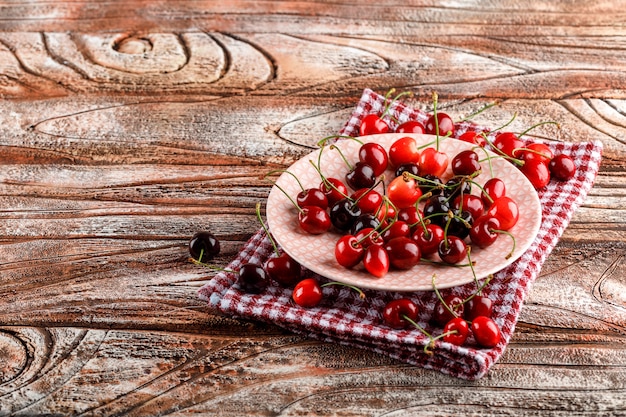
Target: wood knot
{"x": 133, "y": 46}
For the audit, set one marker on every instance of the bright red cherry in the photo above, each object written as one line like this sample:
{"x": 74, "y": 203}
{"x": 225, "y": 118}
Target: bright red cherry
{"x": 539, "y": 151}
{"x": 493, "y": 189}
{"x": 432, "y": 162}
{"x": 456, "y": 331}
{"x": 562, "y": 167}
{"x": 465, "y": 163}
{"x": 403, "y": 151}
{"x": 348, "y": 251}
{"x": 403, "y": 192}
{"x": 443, "y": 122}
{"x": 312, "y": 197}
{"x": 376, "y": 261}
{"x": 537, "y": 172}
{"x": 478, "y": 305}
{"x": 484, "y": 231}
{"x": 505, "y": 209}
{"x": 307, "y": 293}
{"x": 372, "y": 124}
{"x": 451, "y": 307}
{"x": 428, "y": 238}
{"x": 396, "y": 312}
{"x": 334, "y": 189}
{"x": 471, "y": 203}
{"x": 368, "y": 237}
{"x": 374, "y": 155}
{"x": 508, "y": 143}
{"x": 486, "y": 331}
{"x": 368, "y": 200}
{"x": 411, "y": 126}
{"x": 473, "y": 137}
{"x": 314, "y": 220}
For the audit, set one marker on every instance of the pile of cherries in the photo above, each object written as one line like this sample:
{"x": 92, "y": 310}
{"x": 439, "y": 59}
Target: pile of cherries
{"x": 418, "y": 217}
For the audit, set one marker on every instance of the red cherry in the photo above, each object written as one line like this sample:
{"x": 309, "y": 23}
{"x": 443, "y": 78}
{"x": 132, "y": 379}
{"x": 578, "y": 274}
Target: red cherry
{"x": 443, "y": 314}
{"x": 562, "y": 167}
{"x": 505, "y": 209}
{"x": 396, "y": 229}
{"x": 410, "y": 215}
{"x": 334, "y": 191}
{"x": 456, "y": 331}
{"x": 307, "y": 293}
{"x": 428, "y": 238}
{"x": 537, "y": 172}
{"x": 443, "y": 122}
{"x": 252, "y": 278}
{"x": 432, "y": 162}
{"x": 470, "y": 203}
{"x": 493, "y": 189}
{"x": 403, "y": 151}
{"x": 314, "y": 220}
{"x": 372, "y": 124}
{"x": 478, "y": 305}
{"x": 486, "y": 331}
{"x": 465, "y": 163}
{"x": 403, "y": 192}
{"x": 508, "y": 143}
{"x": 452, "y": 250}
{"x": 411, "y": 126}
{"x": 361, "y": 176}
{"x": 367, "y": 200}
{"x": 539, "y": 151}
{"x": 283, "y": 269}
{"x": 483, "y": 232}
{"x": 396, "y": 312}
{"x": 312, "y": 197}
{"x": 368, "y": 237}
{"x": 376, "y": 261}
{"x": 374, "y": 155}
{"x": 473, "y": 137}
{"x": 348, "y": 251}
{"x": 403, "y": 252}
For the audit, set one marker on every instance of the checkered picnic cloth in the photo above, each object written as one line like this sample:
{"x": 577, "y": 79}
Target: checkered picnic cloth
{"x": 345, "y": 318}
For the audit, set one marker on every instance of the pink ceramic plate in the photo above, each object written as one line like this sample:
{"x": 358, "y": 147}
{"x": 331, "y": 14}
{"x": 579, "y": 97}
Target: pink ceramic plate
{"x": 316, "y": 252}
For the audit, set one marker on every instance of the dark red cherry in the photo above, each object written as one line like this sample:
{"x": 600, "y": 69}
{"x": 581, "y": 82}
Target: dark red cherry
{"x": 410, "y": 167}
{"x": 478, "y": 305}
{"x": 334, "y": 189}
{"x": 484, "y": 231}
{"x": 428, "y": 238}
{"x": 374, "y": 155}
{"x": 404, "y": 253}
{"x": 343, "y": 214}
{"x": 451, "y": 307}
{"x": 465, "y": 163}
{"x": 471, "y": 203}
{"x": 486, "y": 332}
{"x": 562, "y": 167}
{"x": 348, "y": 251}
{"x": 252, "y": 278}
{"x": 365, "y": 221}
{"x": 411, "y": 126}
{"x": 396, "y": 312}
{"x": 452, "y": 250}
{"x": 372, "y": 124}
{"x": 443, "y": 122}
{"x": 361, "y": 176}
{"x": 204, "y": 246}
{"x": 314, "y": 220}
{"x": 283, "y": 269}
{"x": 396, "y": 229}
{"x": 312, "y": 197}
{"x": 458, "y": 223}
{"x": 493, "y": 189}
{"x": 307, "y": 293}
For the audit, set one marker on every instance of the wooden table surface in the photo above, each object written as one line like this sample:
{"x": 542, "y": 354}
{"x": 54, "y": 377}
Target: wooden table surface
{"x": 127, "y": 126}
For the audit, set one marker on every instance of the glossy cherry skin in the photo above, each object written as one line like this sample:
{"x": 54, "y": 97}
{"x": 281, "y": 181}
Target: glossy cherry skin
{"x": 562, "y": 167}
{"x": 365, "y": 221}
{"x": 505, "y": 209}
{"x": 204, "y": 245}
{"x": 361, "y": 176}
{"x": 473, "y": 137}
{"x": 411, "y": 126}
{"x": 430, "y": 184}
{"x": 396, "y": 312}
{"x": 404, "y": 253}
{"x": 312, "y": 197}
{"x": 478, "y": 305}
{"x": 283, "y": 269}
{"x": 537, "y": 172}
{"x": 432, "y": 162}
{"x": 252, "y": 278}
{"x": 456, "y": 331}
{"x": 368, "y": 200}
{"x": 376, "y": 261}
{"x": 486, "y": 332}
{"x": 403, "y": 151}
{"x": 428, "y": 238}
{"x": 334, "y": 192}
{"x": 471, "y": 203}
{"x": 539, "y": 151}
{"x": 374, "y": 155}
{"x": 372, "y": 124}
{"x": 456, "y": 186}
{"x": 396, "y": 229}
{"x": 403, "y": 192}
{"x": 459, "y": 223}
{"x": 368, "y": 237}
{"x": 409, "y": 215}
{"x": 435, "y": 208}
{"x": 314, "y": 220}
{"x": 493, "y": 189}
{"x": 442, "y": 314}
{"x": 348, "y": 251}
{"x": 465, "y": 163}
{"x": 307, "y": 293}
{"x": 484, "y": 231}
{"x": 410, "y": 167}
{"x": 443, "y": 122}
{"x": 452, "y": 250}
{"x": 508, "y": 143}
{"x": 343, "y": 214}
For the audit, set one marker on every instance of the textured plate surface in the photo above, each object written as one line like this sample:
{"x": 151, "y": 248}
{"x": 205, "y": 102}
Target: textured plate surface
{"x": 316, "y": 252}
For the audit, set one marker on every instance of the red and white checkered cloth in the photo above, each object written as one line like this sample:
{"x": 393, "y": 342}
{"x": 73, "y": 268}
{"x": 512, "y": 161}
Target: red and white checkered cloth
{"x": 345, "y": 318}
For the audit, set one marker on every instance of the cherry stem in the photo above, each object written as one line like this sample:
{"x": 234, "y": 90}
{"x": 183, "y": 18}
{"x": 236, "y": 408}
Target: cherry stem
{"x": 479, "y": 111}
{"x": 537, "y": 125}
{"x": 441, "y": 300}
{"x": 504, "y": 125}
{"x": 286, "y": 172}
{"x": 324, "y": 141}
{"x": 342, "y": 284}
{"x": 388, "y": 102}
{"x": 325, "y": 180}
{"x": 431, "y": 340}
{"x": 488, "y": 157}
{"x": 435, "y": 97}
{"x": 342, "y": 156}
{"x": 506, "y": 232}
{"x": 213, "y": 267}
{"x": 267, "y": 232}
{"x": 287, "y": 195}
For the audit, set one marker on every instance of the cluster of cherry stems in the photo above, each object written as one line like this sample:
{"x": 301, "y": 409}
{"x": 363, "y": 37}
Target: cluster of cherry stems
{"x": 418, "y": 218}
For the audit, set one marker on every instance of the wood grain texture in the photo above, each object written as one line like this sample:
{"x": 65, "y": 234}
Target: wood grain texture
{"x": 126, "y": 126}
